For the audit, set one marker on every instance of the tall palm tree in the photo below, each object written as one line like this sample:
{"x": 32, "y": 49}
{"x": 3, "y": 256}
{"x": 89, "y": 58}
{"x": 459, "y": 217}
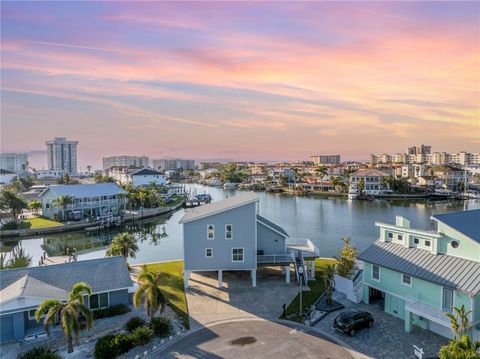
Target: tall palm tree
{"x": 35, "y": 206}
{"x": 321, "y": 171}
{"x": 89, "y": 168}
{"x": 68, "y": 312}
{"x": 123, "y": 244}
{"x": 328, "y": 277}
{"x": 149, "y": 293}
{"x": 62, "y": 202}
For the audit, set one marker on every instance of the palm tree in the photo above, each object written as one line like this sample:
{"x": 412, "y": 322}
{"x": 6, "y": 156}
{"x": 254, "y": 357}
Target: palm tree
{"x": 150, "y": 293}
{"x": 35, "y": 206}
{"x": 62, "y": 202}
{"x": 328, "y": 277}
{"x": 123, "y": 244}
{"x": 68, "y": 312}
{"x": 361, "y": 186}
{"x": 89, "y": 168}
{"x": 459, "y": 321}
{"x": 321, "y": 171}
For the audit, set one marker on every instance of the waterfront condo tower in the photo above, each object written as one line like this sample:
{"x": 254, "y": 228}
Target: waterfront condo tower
{"x": 62, "y": 155}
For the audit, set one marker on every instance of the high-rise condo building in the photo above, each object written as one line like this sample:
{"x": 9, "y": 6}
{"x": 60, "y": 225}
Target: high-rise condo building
{"x": 125, "y": 161}
{"x": 14, "y": 162}
{"x": 62, "y": 155}
{"x": 419, "y": 150}
{"x": 325, "y": 159}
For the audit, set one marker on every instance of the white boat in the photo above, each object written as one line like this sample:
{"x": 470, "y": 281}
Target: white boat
{"x": 215, "y": 182}
{"x": 229, "y": 185}
{"x": 352, "y": 191}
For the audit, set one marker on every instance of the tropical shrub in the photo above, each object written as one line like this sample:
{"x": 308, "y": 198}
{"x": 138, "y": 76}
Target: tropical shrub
{"x": 39, "y": 353}
{"x": 461, "y": 348}
{"x": 112, "y": 345}
{"x": 162, "y": 327}
{"x": 134, "y": 323}
{"x": 142, "y": 335}
{"x": 111, "y": 311}
{"x": 346, "y": 261}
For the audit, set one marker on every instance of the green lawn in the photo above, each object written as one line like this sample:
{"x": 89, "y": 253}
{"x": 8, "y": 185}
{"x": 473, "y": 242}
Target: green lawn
{"x": 316, "y": 288}
{"x": 39, "y": 222}
{"x": 172, "y": 273}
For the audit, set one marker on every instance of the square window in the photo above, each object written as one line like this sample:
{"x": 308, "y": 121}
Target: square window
{"x": 228, "y": 231}
{"x": 415, "y": 240}
{"x": 427, "y": 243}
{"x": 406, "y": 280}
{"x": 390, "y": 235}
{"x": 400, "y": 237}
{"x": 237, "y": 254}
{"x": 208, "y": 252}
{"x": 210, "y": 231}
{"x": 375, "y": 272}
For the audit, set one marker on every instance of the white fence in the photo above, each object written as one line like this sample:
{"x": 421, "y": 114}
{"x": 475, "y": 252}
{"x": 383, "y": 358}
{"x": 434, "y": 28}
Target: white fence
{"x": 352, "y": 288}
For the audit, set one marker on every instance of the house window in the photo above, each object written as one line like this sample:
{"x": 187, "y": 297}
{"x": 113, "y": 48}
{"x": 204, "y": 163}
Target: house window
{"x": 400, "y": 237}
{"x": 415, "y": 240}
{"x": 31, "y": 314}
{"x": 447, "y": 299}
{"x": 375, "y": 272}
{"x": 210, "y": 231}
{"x": 99, "y": 300}
{"x": 237, "y": 254}
{"x": 390, "y": 235}
{"x": 427, "y": 243}
{"x": 208, "y": 252}
{"x": 228, "y": 231}
{"x": 406, "y": 280}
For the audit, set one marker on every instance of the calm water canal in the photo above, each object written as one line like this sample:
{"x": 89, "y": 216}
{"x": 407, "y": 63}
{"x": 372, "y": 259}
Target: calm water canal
{"x": 324, "y": 221}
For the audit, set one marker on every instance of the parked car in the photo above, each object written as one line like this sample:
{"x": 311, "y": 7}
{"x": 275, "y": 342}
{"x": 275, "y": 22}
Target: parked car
{"x": 350, "y": 321}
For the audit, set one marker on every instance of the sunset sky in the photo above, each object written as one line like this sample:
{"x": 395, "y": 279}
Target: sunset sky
{"x": 244, "y": 81}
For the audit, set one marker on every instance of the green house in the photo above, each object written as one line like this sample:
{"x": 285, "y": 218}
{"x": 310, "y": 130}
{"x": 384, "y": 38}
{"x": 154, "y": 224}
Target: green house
{"x": 419, "y": 275}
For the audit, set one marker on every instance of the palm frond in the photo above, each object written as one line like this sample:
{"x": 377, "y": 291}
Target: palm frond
{"x": 45, "y": 307}
{"x": 138, "y": 296}
{"x": 78, "y": 290}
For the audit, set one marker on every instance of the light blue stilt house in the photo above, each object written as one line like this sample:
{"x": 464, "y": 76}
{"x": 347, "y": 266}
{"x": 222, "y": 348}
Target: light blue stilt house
{"x": 230, "y": 235}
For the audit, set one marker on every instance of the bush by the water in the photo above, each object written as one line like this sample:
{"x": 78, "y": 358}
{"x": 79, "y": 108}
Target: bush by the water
{"x": 39, "y": 353}
{"x": 162, "y": 327}
{"x": 111, "y": 311}
{"x": 112, "y": 345}
{"x": 134, "y": 323}
{"x": 142, "y": 335}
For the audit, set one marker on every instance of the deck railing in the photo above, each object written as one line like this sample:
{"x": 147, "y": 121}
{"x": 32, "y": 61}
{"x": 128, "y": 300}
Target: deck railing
{"x": 275, "y": 258}
{"x": 303, "y": 244}
{"x": 427, "y": 310}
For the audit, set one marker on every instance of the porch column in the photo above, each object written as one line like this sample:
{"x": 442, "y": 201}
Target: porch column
{"x": 253, "y": 273}
{"x": 287, "y": 274}
{"x": 186, "y": 277}
{"x": 220, "y": 279}
{"x": 408, "y": 322}
{"x": 312, "y": 273}
{"x": 366, "y": 294}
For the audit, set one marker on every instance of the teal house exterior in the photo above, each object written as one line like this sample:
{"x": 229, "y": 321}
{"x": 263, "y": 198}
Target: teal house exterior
{"x": 420, "y": 275}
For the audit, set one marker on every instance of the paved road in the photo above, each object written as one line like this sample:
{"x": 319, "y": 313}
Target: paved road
{"x": 253, "y": 339}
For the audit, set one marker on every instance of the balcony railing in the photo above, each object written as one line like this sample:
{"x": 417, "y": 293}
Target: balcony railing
{"x": 419, "y": 307}
{"x": 305, "y": 245}
{"x": 275, "y": 258}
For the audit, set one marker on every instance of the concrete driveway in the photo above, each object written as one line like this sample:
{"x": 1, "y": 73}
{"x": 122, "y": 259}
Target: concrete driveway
{"x": 254, "y": 339}
{"x": 237, "y": 298}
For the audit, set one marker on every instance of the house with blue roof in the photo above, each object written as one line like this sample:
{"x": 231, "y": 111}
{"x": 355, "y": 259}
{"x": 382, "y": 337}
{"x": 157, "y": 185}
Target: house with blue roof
{"x": 23, "y": 289}
{"x": 89, "y": 200}
{"x": 419, "y": 276}
{"x": 230, "y": 235}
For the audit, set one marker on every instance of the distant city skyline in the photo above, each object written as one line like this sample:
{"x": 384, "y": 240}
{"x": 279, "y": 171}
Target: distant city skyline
{"x": 240, "y": 81}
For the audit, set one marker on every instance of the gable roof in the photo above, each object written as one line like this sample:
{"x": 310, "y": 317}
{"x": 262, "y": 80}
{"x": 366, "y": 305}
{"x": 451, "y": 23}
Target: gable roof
{"x": 445, "y": 270}
{"x": 146, "y": 172}
{"x": 370, "y": 172}
{"x": 85, "y": 190}
{"x": 103, "y": 274}
{"x": 28, "y": 286}
{"x": 272, "y": 226}
{"x": 218, "y": 207}
{"x": 466, "y": 222}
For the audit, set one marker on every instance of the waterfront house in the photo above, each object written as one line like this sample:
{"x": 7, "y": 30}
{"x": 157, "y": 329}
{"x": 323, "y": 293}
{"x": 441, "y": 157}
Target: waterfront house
{"x": 137, "y": 177}
{"x": 89, "y": 200}
{"x": 230, "y": 235}
{"x": 372, "y": 179}
{"x": 420, "y": 275}
{"x": 23, "y": 289}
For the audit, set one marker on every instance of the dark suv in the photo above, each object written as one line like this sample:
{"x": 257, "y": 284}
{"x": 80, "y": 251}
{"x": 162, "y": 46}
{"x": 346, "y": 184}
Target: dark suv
{"x": 350, "y": 321}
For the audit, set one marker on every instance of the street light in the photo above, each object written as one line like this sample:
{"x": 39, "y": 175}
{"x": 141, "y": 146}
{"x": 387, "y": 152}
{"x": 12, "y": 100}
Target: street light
{"x": 300, "y": 273}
